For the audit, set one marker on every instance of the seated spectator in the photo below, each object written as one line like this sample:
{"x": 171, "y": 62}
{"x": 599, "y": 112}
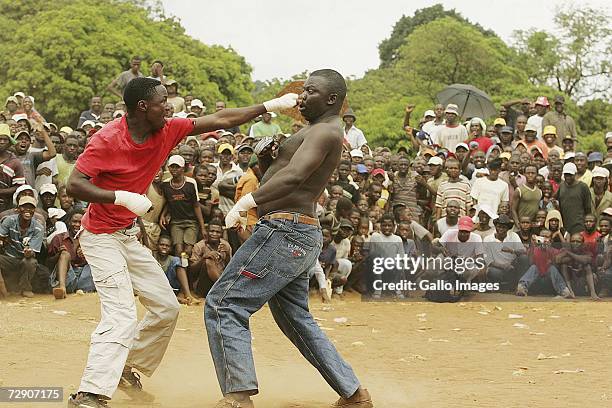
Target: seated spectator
{"x": 326, "y": 265}
{"x": 176, "y": 274}
{"x": 504, "y": 253}
{"x": 543, "y": 258}
{"x": 22, "y": 237}
{"x": 342, "y": 243}
{"x": 484, "y": 215}
{"x": 182, "y": 211}
{"x": 463, "y": 243}
{"x": 209, "y": 258}
{"x": 524, "y": 231}
{"x": 455, "y": 188}
{"x": 450, "y": 220}
{"x": 71, "y": 272}
{"x": 575, "y": 263}
{"x": 385, "y": 244}
{"x": 48, "y": 194}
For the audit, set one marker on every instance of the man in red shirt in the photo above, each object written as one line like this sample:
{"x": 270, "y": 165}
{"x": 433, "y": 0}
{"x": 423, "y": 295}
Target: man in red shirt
{"x": 113, "y": 175}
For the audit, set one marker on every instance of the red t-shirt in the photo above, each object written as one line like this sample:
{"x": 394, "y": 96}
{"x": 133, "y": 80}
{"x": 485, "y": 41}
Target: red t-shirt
{"x": 542, "y": 258}
{"x": 483, "y": 143}
{"x": 115, "y": 162}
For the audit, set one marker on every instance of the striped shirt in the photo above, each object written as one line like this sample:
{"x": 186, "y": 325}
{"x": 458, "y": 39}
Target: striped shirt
{"x": 11, "y": 174}
{"x": 459, "y": 191}
{"x": 9, "y": 227}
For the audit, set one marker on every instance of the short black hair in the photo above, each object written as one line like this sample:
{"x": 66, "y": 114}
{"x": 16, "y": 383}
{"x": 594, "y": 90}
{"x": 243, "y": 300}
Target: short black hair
{"x": 216, "y": 222}
{"x": 344, "y": 163}
{"x": 335, "y": 81}
{"x": 139, "y": 89}
{"x": 387, "y": 217}
{"x": 495, "y": 164}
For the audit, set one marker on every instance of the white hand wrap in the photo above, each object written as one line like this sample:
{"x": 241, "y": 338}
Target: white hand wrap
{"x": 136, "y": 203}
{"x": 244, "y": 204}
{"x": 286, "y": 101}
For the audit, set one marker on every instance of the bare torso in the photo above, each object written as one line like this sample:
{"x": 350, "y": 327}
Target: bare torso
{"x": 303, "y": 199}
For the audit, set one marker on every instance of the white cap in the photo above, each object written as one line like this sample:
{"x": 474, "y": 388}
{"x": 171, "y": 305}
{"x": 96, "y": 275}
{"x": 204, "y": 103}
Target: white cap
{"x": 180, "y": 114}
{"x": 88, "y": 122}
{"x": 464, "y": 145}
{"x": 272, "y": 114}
{"x": 198, "y": 103}
{"x": 99, "y": 124}
{"x": 118, "y": 113}
{"x": 452, "y": 108}
{"x": 436, "y": 161}
{"x": 56, "y": 212}
{"x": 608, "y": 135}
{"x": 176, "y": 159}
{"x": 48, "y": 188}
{"x": 356, "y": 153}
{"x": 19, "y": 116}
{"x": 569, "y": 155}
{"x": 569, "y": 168}
{"x": 530, "y": 128}
{"x": 429, "y": 113}
{"x": 19, "y": 94}
{"x": 21, "y": 188}
{"x": 600, "y": 172}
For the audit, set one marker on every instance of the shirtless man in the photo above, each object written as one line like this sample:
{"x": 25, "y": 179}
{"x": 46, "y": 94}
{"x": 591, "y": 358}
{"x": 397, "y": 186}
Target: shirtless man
{"x": 272, "y": 265}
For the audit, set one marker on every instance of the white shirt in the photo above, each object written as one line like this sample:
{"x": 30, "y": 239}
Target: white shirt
{"x": 443, "y": 226}
{"x": 50, "y": 164}
{"x": 343, "y": 248}
{"x": 226, "y": 203}
{"x": 355, "y": 137}
{"x": 450, "y": 136}
{"x": 430, "y": 127}
{"x": 485, "y": 191}
{"x": 493, "y": 248}
{"x": 468, "y": 249}
{"x": 536, "y": 121}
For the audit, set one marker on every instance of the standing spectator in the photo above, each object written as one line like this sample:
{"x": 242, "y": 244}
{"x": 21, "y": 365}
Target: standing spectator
{"x": 350, "y": 188}
{"x": 404, "y": 187}
{"x": 93, "y": 114}
{"x": 454, "y": 188}
{"x": 526, "y": 198}
{"x": 510, "y": 114}
{"x": 197, "y": 107}
{"x": 601, "y": 197}
{"x": 173, "y": 96}
{"x": 22, "y": 237}
{"x": 560, "y": 120}
{"x": 451, "y": 219}
{"x": 549, "y": 135}
{"x": 574, "y": 200}
{"x": 31, "y": 160}
{"x": 12, "y": 174}
{"x": 265, "y": 127}
{"x": 118, "y": 85}
{"x": 582, "y": 170}
{"x": 228, "y": 174}
{"x": 248, "y": 183}
{"x": 182, "y": 207}
{"x": 541, "y": 106}
{"x": 66, "y": 161}
{"x": 452, "y": 133}
{"x": 353, "y": 135}
{"x": 431, "y": 126}
{"x": 491, "y": 190}
{"x": 479, "y": 135}
{"x": 151, "y": 219}
{"x": 157, "y": 71}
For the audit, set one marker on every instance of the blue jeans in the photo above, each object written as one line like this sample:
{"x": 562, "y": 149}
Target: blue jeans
{"x": 271, "y": 266}
{"x": 553, "y": 273}
{"x": 77, "y": 277}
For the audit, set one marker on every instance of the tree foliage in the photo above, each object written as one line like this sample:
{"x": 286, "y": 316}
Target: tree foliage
{"x": 575, "y": 59}
{"x": 66, "y": 51}
{"x": 388, "y": 49}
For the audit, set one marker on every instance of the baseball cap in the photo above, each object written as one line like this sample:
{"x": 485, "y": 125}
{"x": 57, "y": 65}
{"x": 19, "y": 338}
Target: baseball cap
{"x": 595, "y": 156}
{"x": 272, "y": 114}
{"x": 66, "y": 129}
{"x": 608, "y": 163}
{"x": 463, "y": 145}
{"x": 11, "y": 99}
{"x": 503, "y": 219}
{"x": 542, "y": 100}
{"x": 549, "y": 130}
{"x": 569, "y": 155}
{"x": 465, "y": 224}
{"x": 429, "y": 113}
{"x": 506, "y": 129}
{"x": 176, "y": 159}
{"x": 452, "y": 108}
{"x": 530, "y": 128}
{"x": 362, "y": 169}
{"x": 376, "y": 172}
{"x": 344, "y": 223}
{"x": 88, "y": 122}
{"x": 225, "y": 146}
{"x": 190, "y": 138}
{"x": 505, "y": 155}
{"x": 19, "y": 93}
{"x": 48, "y": 188}
{"x": 499, "y": 121}
{"x": 569, "y": 168}
{"x": 536, "y": 149}
{"x": 198, "y": 103}
{"x": 20, "y": 116}
{"x": 5, "y": 130}
{"x": 559, "y": 99}
{"x": 356, "y": 153}
{"x": 428, "y": 151}
{"x": 436, "y": 161}
{"x": 209, "y": 135}
{"x": 27, "y": 200}
{"x": 600, "y": 172}
{"x": 56, "y": 212}
{"x": 170, "y": 82}
{"x": 118, "y": 113}
{"x": 607, "y": 211}
{"x": 22, "y": 132}
{"x": 244, "y": 147}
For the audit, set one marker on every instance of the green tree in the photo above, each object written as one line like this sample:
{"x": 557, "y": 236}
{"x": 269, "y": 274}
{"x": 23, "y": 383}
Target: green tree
{"x": 576, "y": 60}
{"x": 66, "y": 51}
{"x": 594, "y": 116}
{"x": 388, "y": 49}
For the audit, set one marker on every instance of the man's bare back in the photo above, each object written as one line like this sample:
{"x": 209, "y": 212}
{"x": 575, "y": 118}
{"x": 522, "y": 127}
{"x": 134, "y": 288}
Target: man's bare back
{"x": 328, "y": 137}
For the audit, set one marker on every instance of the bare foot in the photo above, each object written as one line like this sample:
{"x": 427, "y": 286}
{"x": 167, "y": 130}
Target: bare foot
{"x": 59, "y": 292}
{"x": 568, "y": 294}
{"x": 360, "y": 399}
{"x": 194, "y": 301}
{"x": 182, "y": 299}
{"x": 324, "y": 296}
{"x": 595, "y": 297}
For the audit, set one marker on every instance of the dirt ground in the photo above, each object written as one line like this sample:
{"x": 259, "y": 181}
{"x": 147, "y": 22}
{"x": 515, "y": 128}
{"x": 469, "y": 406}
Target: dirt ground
{"x": 409, "y": 354}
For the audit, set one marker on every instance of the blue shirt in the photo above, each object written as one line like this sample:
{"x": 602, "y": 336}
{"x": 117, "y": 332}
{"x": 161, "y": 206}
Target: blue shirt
{"x": 9, "y": 227}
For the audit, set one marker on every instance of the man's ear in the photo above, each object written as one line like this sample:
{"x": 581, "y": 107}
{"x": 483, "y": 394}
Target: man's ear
{"x": 142, "y": 105}
{"x": 332, "y": 99}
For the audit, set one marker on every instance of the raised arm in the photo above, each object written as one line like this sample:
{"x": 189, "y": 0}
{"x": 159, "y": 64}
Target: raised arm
{"x": 231, "y": 117}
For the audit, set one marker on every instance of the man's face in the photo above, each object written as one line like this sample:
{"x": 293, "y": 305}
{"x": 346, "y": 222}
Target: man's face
{"x": 553, "y": 156}
{"x": 386, "y": 227}
{"x": 96, "y": 104}
{"x": 493, "y": 174}
{"x": 559, "y": 106}
{"x": 530, "y": 136}
{"x": 525, "y": 224}
{"x": 212, "y": 175}
{"x": 521, "y": 121}
{"x": 48, "y": 199}
{"x": 225, "y": 157}
{"x": 75, "y": 223}
{"x": 344, "y": 232}
{"x": 600, "y": 182}
{"x": 135, "y": 65}
{"x": 568, "y": 145}
{"x": 219, "y": 106}
{"x": 71, "y": 148}
{"x": 176, "y": 170}
{"x": 439, "y": 111}
{"x": 244, "y": 156}
{"x": 327, "y": 237}
{"x": 404, "y": 165}
{"x": 157, "y": 69}
{"x": 581, "y": 163}
{"x": 463, "y": 235}
{"x": 514, "y": 164}
{"x": 168, "y": 110}
{"x": 214, "y": 234}
{"x": 576, "y": 241}
{"x": 460, "y": 153}
{"x": 452, "y": 210}
{"x": 501, "y": 229}
{"x": 5, "y": 143}
{"x": 155, "y": 108}
{"x": 452, "y": 169}
{"x": 478, "y": 159}
{"x": 434, "y": 170}
{"x": 163, "y": 246}
{"x": 200, "y": 175}
{"x": 266, "y": 118}
{"x": 375, "y": 192}
{"x": 541, "y": 110}
{"x": 315, "y": 99}
{"x": 343, "y": 171}
{"x": 197, "y": 110}
{"x": 348, "y": 120}
{"x": 530, "y": 174}
{"x": 109, "y": 107}
{"x": 26, "y": 211}
{"x": 23, "y": 144}
{"x": 604, "y": 227}
{"x": 335, "y": 192}
{"x": 450, "y": 118}
{"x": 556, "y": 172}
{"x": 11, "y": 106}
{"x": 188, "y": 156}
{"x": 590, "y": 223}
{"x": 379, "y": 162}
{"x": 207, "y": 157}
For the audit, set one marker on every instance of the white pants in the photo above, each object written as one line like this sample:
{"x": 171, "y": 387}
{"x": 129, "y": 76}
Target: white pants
{"x": 120, "y": 267}
{"x": 319, "y": 275}
{"x": 344, "y": 269}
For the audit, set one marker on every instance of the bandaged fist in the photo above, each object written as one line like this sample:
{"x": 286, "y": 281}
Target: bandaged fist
{"x": 137, "y": 203}
{"x": 287, "y": 101}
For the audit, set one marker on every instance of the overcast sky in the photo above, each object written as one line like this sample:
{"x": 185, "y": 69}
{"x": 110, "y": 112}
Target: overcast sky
{"x": 280, "y": 38}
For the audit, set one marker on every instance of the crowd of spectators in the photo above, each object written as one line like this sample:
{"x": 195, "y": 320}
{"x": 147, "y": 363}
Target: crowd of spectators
{"x": 518, "y": 193}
